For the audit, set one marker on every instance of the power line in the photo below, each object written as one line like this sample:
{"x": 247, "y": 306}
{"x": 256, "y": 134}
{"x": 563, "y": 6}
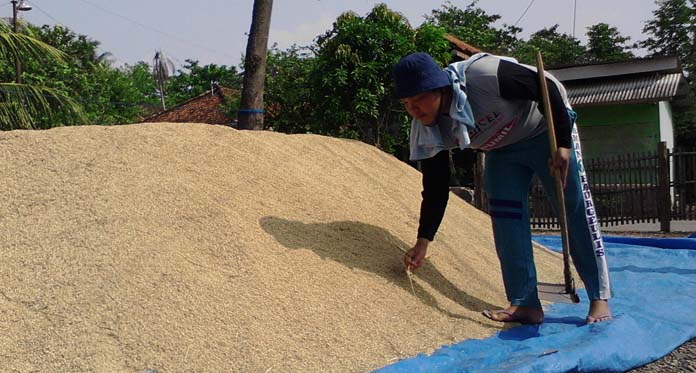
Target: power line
{"x": 46, "y": 14}
{"x": 186, "y": 41}
{"x": 523, "y": 13}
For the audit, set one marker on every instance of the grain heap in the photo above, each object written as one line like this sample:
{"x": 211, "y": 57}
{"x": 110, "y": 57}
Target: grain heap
{"x": 189, "y": 247}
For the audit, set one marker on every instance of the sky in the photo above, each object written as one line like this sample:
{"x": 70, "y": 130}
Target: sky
{"x": 215, "y": 31}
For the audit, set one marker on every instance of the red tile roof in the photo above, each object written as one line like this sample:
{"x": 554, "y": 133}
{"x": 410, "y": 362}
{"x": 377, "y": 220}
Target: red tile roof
{"x": 460, "y": 49}
{"x": 204, "y": 108}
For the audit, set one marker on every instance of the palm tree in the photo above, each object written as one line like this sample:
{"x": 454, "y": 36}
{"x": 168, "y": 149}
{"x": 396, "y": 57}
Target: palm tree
{"x": 23, "y": 105}
{"x": 162, "y": 68}
{"x": 251, "y": 114}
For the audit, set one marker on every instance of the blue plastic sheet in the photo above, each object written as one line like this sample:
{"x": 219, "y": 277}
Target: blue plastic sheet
{"x": 664, "y": 243}
{"x": 653, "y": 305}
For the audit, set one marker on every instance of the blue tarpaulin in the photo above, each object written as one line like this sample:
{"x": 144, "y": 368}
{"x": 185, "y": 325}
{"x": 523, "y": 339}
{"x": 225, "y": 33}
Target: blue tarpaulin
{"x": 663, "y": 243}
{"x": 653, "y": 306}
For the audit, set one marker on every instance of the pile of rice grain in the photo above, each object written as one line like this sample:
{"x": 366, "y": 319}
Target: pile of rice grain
{"x": 190, "y": 247}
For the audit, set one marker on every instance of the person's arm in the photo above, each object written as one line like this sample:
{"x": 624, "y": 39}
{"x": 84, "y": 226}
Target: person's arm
{"x": 436, "y": 173}
{"x": 517, "y": 82}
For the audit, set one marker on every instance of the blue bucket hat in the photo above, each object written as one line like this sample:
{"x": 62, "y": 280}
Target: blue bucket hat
{"x": 418, "y": 73}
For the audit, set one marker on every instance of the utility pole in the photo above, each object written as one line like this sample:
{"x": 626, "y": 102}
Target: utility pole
{"x": 16, "y": 8}
{"x": 575, "y": 8}
{"x": 250, "y": 114}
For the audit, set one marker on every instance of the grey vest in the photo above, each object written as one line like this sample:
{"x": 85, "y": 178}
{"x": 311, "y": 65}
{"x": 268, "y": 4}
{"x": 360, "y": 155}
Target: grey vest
{"x": 499, "y": 122}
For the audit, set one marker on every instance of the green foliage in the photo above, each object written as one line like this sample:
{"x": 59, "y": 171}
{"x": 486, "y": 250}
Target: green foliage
{"x": 352, "y": 89}
{"x": 24, "y": 105}
{"x": 79, "y": 49}
{"x": 606, "y": 44}
{"x": 672, "y": 32}
{"x": 558, "y": 49}
{"x": 288, "y": 94}
{"x": 474, "y": 26}
{"x": 430, "y": 39}
{"x": 195, "y": 79}
{"x": 106, "y": 94}
{"x": 111, "y": 95}
{"x": 140, "y": 78}
{"x": 19, "y": 45}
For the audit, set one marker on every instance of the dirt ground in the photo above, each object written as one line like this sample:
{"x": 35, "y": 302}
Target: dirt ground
{"x": 682, "y": 359}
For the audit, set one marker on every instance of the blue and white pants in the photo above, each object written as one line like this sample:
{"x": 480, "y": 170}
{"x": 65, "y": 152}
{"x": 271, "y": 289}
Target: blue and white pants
{"x": 507, "y": 177}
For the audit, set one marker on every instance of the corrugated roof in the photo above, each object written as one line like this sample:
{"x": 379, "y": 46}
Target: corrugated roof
{"x": 631, "y": 89}
{"x": 665, "y": 64}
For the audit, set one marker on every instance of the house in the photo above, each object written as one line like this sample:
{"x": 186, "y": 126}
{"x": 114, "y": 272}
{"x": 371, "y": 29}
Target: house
{"x": 624, "y": 107}
{"x": 205, "y": 108}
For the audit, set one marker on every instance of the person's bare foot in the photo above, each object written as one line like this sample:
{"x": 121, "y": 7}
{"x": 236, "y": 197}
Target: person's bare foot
{"x": 599, "y": 311}
{"x": 520, "y": 314}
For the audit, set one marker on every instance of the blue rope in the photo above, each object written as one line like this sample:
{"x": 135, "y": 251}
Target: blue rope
{"x": 256, "y": 111}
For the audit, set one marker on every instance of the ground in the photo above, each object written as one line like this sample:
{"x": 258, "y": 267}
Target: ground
{"x": 682, "y": 359}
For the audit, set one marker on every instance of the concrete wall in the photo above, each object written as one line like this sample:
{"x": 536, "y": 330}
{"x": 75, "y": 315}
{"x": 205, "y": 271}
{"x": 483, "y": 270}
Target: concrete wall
{"x": 666, "y": 124}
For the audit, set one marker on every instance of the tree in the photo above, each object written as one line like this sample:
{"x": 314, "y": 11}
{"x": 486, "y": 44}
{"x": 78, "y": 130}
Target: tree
{"x": 106, "y": 94}
{"x": 195, "y": 79}
{"x": 672, "y": 32}
{"x": 144, "y": 86}
{"x": 78, "y": 49}
{"x": 162, "y": 68}
{"x": 255, "y": 67}
{"x": 288, "y": 91}
{"x": 23, "y": 105}
{"x": 352, "y": 94}
{"x": 606, "y": 44}
{"x": 475, "y": 26}
{"x": 558, "y": 49}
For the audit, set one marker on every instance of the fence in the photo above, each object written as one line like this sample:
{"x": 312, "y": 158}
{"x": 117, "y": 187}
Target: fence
{"x": 684, "y": 184}
{"x": 631, "y": 188}
{"x": 625, "y": 189}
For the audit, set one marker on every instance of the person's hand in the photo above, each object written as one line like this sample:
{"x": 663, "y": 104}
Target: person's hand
{"x": 560, "y": 162}
{"x": 414, "y": 257}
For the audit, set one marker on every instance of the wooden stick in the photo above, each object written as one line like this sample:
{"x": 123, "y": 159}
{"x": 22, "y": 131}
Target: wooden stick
{"x": 562, "y": 217}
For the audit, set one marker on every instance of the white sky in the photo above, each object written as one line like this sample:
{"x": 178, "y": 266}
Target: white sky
{"x": 213, "y": 31}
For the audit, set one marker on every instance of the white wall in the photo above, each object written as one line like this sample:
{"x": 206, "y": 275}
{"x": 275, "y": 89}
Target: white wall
{"x": 667, "y": 133}
{"x": 666, "y": 125}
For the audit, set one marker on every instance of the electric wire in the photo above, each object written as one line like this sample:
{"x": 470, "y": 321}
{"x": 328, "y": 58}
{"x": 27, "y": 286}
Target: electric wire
{"x": 523, "y": 13}
{"x": 35, "y": 5}
{"x": 150, "y": 28}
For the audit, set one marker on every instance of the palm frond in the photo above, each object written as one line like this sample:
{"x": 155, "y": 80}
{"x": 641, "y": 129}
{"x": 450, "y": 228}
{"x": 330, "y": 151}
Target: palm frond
{"x": 21, "y": 106}
{"x": 13, "y": 45}
{"x": 162, "y": 67}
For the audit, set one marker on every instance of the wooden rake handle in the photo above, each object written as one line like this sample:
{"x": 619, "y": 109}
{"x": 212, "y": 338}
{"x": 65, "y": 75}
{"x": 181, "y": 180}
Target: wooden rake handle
{"x": 560, "y": 199}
